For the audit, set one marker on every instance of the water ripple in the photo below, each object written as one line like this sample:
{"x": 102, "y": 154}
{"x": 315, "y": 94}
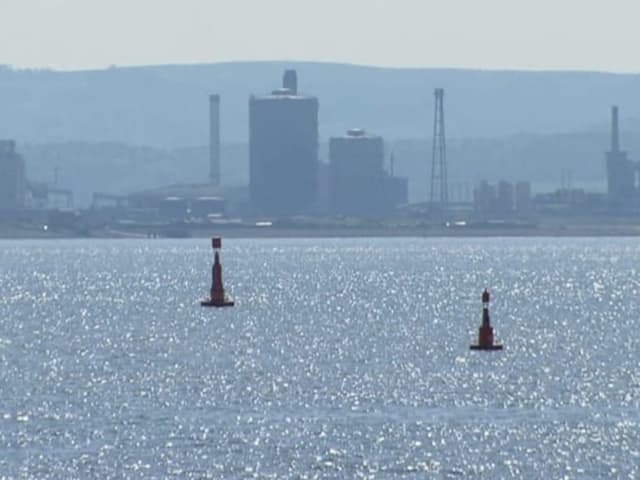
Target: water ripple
{"x": 342, "y": 359}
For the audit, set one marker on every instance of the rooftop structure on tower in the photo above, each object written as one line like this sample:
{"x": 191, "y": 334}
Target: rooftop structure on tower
{"x": 290, "y": 81}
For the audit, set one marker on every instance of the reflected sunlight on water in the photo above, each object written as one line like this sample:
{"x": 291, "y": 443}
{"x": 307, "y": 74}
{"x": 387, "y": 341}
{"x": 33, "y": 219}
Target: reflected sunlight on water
{"x": 342, "y": 358}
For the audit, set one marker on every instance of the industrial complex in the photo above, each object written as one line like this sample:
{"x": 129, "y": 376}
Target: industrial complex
{"x": 290, "y": 185}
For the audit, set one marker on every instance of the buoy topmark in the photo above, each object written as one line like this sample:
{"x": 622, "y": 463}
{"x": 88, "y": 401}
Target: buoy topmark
{"x": 218, "y": 297}
{"x": 485, "y": 332}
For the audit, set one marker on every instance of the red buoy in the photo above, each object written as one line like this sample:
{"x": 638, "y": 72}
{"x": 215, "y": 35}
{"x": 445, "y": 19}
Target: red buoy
{"x": 218, "y": 297}
{"x": 485, "y": 332}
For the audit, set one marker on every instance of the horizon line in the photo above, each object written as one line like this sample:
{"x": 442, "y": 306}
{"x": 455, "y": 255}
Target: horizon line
{"x": 109, "y": 67}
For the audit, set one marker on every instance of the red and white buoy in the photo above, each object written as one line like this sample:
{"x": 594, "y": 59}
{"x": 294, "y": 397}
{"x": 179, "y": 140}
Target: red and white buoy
{"x": 218, "y": 297}
{"x": 485, "y": 332}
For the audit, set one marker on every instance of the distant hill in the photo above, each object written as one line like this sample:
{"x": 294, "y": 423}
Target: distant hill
{"x": 166, "y": 106}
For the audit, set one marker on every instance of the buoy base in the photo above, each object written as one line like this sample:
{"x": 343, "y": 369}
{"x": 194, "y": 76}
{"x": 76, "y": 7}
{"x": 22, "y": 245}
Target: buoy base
{"x": 227, "y": 302}
{"x": 485, "y": 347}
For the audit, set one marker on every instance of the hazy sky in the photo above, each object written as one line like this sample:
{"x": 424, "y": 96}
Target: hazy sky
{"x": 513, "y": 34}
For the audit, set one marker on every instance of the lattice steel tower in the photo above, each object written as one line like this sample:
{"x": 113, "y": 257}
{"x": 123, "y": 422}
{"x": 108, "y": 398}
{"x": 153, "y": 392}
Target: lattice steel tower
{"x": 439, "y": 198}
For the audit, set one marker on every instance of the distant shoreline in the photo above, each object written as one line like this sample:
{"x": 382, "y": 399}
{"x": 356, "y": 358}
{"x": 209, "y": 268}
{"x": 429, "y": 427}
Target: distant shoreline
{"x": 590, "y": 230}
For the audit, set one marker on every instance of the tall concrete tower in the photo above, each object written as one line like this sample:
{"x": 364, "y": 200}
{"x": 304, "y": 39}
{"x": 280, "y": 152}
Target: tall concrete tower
{"x": 620, "y": 170}
{"x": 283, "y": 152}
{"x": 439, "y": 195}
{"x": 214, "y": 140}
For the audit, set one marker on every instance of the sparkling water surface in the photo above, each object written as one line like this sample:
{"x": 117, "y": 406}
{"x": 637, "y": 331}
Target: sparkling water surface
{"x": 343, "y": 358}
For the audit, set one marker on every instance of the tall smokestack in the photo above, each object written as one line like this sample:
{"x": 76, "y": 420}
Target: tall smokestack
{"x": 290, "y": 81}
{"x": 214, "y": 139}
{"x": 615, "y": 140}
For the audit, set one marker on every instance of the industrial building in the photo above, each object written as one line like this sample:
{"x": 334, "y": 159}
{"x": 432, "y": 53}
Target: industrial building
{"x": 358, "y": 183}
{"x": 13, "y": 184}
{"x": 179, "y": 202}
{"x": 523, "y": 197}
{"x": 504, "y": 200}
{"x": 283, "y": 151}
{"x": 356, "y": 162}
{"x": 484, "y": 198}
{"x": 186, "y": 201}
{"x": 396, "y": 190}
{"x": 621, "y": 172}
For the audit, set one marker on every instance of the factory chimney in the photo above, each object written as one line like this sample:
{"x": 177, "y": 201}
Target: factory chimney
{"x": 615, "y": 140}
{"x": 214, "y": 140}
{"x": 290, "y": 81}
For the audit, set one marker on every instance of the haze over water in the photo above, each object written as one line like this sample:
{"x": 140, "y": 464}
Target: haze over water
{"x": 342, "y": 359}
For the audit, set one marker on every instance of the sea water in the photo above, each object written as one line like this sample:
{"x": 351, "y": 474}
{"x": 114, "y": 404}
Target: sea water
{"x": 343, "y": 358}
